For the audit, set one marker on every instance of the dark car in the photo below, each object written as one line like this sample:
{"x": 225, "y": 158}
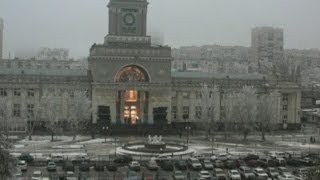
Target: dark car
{"x": 262, "y": 163}
{"x": 26, "y": 157}
{"x": 181, "y": 164}
{"x": 166, "y": 165}
{"x": 84, "y": 166}
{"x": 252, "y": 163}
{"x": 273, "y": 163}
{"x": 230, "y": 164}
{"x": 123, "y": 159}
{"x": 111, "y": 166}
{"x": 84, "y": 176}
{"x": 68, "y": 166}
{"x": 251, "y": 157}
{"x": 218, "y": 164}
{"x": 99, "y": 166}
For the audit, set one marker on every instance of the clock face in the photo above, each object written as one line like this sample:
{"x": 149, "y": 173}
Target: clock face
{"x": 129, "y": 19}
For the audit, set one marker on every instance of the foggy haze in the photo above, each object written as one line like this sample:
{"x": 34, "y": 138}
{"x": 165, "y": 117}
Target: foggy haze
{"x": 77, "y": 24}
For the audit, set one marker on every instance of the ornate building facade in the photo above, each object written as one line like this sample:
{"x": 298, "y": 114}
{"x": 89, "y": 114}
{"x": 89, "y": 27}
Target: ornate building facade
{"x": 129, "y": 81}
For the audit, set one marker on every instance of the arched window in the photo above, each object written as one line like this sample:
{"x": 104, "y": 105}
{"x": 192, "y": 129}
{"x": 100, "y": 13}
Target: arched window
{"x": 132, "y": 73}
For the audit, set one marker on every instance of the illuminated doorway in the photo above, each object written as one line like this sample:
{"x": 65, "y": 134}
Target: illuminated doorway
{"x": 131, "y": 111}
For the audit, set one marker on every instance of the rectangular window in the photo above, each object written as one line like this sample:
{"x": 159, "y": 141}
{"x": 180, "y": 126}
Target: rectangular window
{"x": 3, "y": 92}
{"x": 16, "y": 110}
{"x": 185, "y": 112}
{"x": 210, "y": 94}
{"x": 185, "y": 95}
{"x": 16, "y": 92}
{"x": 285, "y": 117}
{"x": 30, "y": 110}
{"x": 198, "y": 95}
{"x": 30, "y": 92}
{"x": 285, "y": 97}
{"x": 174, "y": 112}
{"x": 198, "y": 112}
{"x": 285, "y": 107}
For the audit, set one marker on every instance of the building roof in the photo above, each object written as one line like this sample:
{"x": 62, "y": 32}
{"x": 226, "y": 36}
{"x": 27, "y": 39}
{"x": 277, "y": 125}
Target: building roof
{"x": 43, "y": 71}
{"x": 203, "y": 75}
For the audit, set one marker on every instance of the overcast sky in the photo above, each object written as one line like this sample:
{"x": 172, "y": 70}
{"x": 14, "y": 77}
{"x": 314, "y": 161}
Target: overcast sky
{"x": 77, "y": 24}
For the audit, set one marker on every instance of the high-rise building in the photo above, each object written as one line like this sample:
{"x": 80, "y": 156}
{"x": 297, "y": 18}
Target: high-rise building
{"x": 1, "y": 38}
{"x": 267, "y": 47}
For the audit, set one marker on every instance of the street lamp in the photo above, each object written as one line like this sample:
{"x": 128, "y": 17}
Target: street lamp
{"x": 105, "y": 130}
{"x": 188, "y": 128}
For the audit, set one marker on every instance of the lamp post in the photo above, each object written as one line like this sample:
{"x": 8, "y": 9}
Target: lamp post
{"x": 105, "y": 130}
{"x": 188, "y": 128}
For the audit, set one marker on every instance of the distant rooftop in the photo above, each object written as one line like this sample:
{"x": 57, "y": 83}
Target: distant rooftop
{"x": 199, "y": 75}
{"x": 44, "y": 72}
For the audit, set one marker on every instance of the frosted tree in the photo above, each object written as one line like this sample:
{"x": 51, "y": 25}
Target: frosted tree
{"x": 78, "y": 110}
{"x": 266, "y": 114}
{"x": 228, "y": 112}
{"x": 6, "y": 160}
{"x": 245, "y": 106}
{"x": 51, "y": 110}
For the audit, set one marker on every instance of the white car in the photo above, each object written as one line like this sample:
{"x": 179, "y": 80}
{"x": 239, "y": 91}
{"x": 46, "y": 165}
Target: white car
{"x": 22, "y": 165}
{"x": 234, "y": 175}
{"x": 36, "y": 175}
{"x": 195, "y": 164}
{"x": 286, "y": 177}
{"x": 134, "y": 165}
{"x": 260, "y": 173}
{"x": 204, "y": 175}
{"x": 223, "y": 156}
{"x": 71, "y": 176}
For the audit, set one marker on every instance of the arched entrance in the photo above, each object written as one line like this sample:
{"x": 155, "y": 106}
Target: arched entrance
{"x": 132, "y": 104}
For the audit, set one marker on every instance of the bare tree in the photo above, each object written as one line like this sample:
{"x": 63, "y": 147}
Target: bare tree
{"x": 246, "y": 110}
{"x": 5, "y": 116}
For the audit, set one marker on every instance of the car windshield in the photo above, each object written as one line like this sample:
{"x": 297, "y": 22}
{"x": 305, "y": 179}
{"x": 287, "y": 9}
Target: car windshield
{"x": 178, "y": 173}
{"x": 273, "y": 170}
{"x": 234, "y": 172}
{"x": 204, "y": 173}
{"x": 21, "y": 163}
{"x": 247, "y": 171}
{"x": 194, "y": 161}
{"x": 260, "y": 171}
{"x": 36, "y": 175}
{"x": 219, "y": 171}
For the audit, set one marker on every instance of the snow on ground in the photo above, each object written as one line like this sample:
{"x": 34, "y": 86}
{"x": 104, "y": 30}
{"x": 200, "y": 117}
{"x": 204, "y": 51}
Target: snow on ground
{"x": 298, "y": 144}
{"x": 68, "y": 147}
{"x": 93, "y": 141}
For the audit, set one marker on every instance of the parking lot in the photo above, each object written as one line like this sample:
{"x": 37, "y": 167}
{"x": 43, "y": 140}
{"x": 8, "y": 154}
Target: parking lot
{"x": 225, "y": 162}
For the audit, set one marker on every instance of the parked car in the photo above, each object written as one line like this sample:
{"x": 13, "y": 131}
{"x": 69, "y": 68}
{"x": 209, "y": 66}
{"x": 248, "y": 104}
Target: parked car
{"x": 56, "y": 158}
{"x": 301, "y": 173}
{"x": 262, "y": 163}
{"x": 194, "y": 164}
{"x": 51, "y": 166}
{"x": 18, "y": 175}
{"x": 223, "y": 156}
{"x": 246, "y": 172}
{"x": 123, "y": 159}
{"x": 68, "y": 166}
{"x": 251, "y": 157}
{"x": 111, "y": 166}
{"x": 152, "y": 165}
{"x": 84, "y": 176}
{"x": 181, "y": 164}
{"x": 134, "y": 165}
{"x": 283, "y": 171}
{"x": 281, "y": 161}
{"x": 26, "y": 157}
{"x": 36, "y": 175}
{"x": 220, "y": 174}
{"x": 132, "y": 175}
{"x": 260, "y": 173}
{"x": 230, "y": 164}
{"x": 22, "y": 165}
{"x": 178, "y": 175}
{"x": 286, "y": 177}
{"x": 80, "y": 158}
{"x": 204, "y": 175}
{"x": 70, "y": 176}
{"x": 296, "y": 162}
{"x": 207, "y": 165}
{"x": 84, "y": 166}
{"x": 99, "y": 166}
{"x": 218, "y": 164}
{"x": 234, "y": 175}
{"x": 272, "y": 172}
{"x": 167, "y": 165}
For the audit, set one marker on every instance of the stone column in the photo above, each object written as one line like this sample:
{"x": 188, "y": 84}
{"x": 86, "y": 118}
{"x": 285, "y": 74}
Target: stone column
{"x": 122, "y": 99}
{"x": 141, "y": 104}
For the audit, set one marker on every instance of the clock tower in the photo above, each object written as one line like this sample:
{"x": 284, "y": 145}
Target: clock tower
{"x": 127, "y": 18}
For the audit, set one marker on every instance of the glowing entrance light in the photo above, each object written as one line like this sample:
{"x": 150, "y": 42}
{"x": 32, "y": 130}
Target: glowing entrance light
{"x": 131, "y": 96}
